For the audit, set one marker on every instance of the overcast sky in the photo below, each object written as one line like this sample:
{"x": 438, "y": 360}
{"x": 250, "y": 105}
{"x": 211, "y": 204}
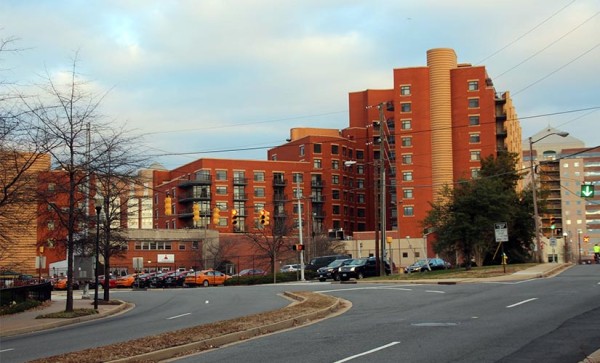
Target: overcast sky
{"x": 204, "y": 76}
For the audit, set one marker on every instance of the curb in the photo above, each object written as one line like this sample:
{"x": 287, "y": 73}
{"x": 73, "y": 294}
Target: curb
{"x": 123, "y": 307}
{"x": 164, "y": 354}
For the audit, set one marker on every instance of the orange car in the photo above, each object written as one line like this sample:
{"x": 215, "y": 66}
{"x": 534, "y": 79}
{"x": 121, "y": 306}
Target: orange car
{"x": 61, "y": 284}
{"x": 206, "y": 278}
{"x": 126, "y": 281}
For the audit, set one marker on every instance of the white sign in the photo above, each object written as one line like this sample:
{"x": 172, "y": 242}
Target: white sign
{"x": 167, "y": 258}
{"x": 553, "y": 242}
{"x": 501, "y": 231}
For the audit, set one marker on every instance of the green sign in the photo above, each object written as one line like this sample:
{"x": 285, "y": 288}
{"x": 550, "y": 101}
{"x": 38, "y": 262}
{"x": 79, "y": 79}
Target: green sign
{"x": 587, "y": 191}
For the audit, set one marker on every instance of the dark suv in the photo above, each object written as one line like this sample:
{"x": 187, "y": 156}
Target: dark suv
{"x": 361, "y": 267}
{"x": 322, "y": 261}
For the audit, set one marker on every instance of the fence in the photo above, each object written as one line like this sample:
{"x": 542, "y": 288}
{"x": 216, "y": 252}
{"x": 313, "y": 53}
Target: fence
{"x": 40, "y": 292}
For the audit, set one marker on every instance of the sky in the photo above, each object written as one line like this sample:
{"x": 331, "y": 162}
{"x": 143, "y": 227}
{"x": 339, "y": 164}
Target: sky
{"x": 230, "y": 78}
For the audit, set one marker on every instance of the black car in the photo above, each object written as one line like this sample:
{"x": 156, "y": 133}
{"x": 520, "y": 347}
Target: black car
{"x": 361, "y": 267}
{"x": 422, "y": 265}
{"x": 159, "y": 280}
{"x": 316, "y": 263}
{"x": 176, "y": 279}
{"x": 331, "y": 271}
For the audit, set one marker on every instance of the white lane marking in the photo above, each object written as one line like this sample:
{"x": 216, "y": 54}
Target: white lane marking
{"x": 366, "y": 288}
{"x": 436, "y": 291}
{"x": 6, "y": 350}
{"x": 367, "y": 352}
{"x": 521, "y": 302}
{"x": 178, "y": 316}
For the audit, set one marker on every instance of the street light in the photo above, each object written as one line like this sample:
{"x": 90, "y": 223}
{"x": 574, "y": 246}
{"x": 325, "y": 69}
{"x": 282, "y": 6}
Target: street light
{"x": 98, "y": 209}
{"x": 533, "y": 189}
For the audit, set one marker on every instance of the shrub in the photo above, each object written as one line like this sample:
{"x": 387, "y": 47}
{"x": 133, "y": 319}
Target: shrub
{"x": 19, "y": 307}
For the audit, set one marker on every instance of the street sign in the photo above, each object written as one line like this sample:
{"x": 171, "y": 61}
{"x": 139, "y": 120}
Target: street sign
{"x": 501, "y": 231}
{"x": 587, "y": 190}
{"x": 553, "y": 242}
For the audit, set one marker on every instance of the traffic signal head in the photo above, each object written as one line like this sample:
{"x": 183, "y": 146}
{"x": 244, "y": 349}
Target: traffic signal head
{"x": 298, "y": 247}
{"x": 234, "y": 217}
{"x": 264, "y": 217}
{"x": 552, "y": 222}
{"x": 216, "y": 215}
{"x": 168, "y": 205}
{"x": 196, "y": 211}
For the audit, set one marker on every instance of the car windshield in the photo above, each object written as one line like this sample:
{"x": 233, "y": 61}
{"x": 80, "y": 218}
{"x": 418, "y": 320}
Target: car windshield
{"x": 336, "y": 263}
{"x": 358, "y": 261}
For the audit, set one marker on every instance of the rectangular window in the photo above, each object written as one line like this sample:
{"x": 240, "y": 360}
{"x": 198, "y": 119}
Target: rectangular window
{"x": 335, "y": 149}
{"x": 335, "y": 194}
{"x": 317, "y": 148}
{"x": 406, "y": 124}
{"x": 405, "y": 90}
{"x": 335, "y": 164}
{"x": 360, "y": 198}
{"x": 475, "y": 155}
{"x": 259, "y": 192}
{"x": 221, "y": 190}
{"x": 335, "y": 179}
{"x": 221, "y": 174}
{"x": 473, "y": 120}
{"x": 360, "y": 184}
{"x": 317, "y": 163}
{"x": 474, "y": 139}
{"x": 405, "y": 107}
{"x": 301, "y": 150}
{"x": 407, "y": 159}
{"x": 475, "y": 173}
{"x": 407, "y": 193}
{"x": 360, "y": 154}
{"x": 406, "y": 141}
{"x": 259, "y": 176}
{"x": 336, "y": 209}
{"x": 297, "y": 177}
{"x": 360, "y": 169}
{"x": 473, "y": 102}
{"x": 407, "y": 176}
{"x": 473, "y": 85}
{"x": 409, "y": 211}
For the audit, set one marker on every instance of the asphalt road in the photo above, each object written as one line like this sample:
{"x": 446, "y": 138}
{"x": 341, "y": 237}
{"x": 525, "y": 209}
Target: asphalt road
{"x": 549, "y": 320}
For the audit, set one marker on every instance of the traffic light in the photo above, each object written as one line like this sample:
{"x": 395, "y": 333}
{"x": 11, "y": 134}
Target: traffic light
{"x": 552, "y": 222}
{"x": 264, "y": 217}
{"x": 216, "y": 215}
{"x": 196, "y": 211}
{"x": 586, "y": 239}
{"x": 234, "y": 217}
{"x": 298, "y": 247}
{"x": 168, "y": 205}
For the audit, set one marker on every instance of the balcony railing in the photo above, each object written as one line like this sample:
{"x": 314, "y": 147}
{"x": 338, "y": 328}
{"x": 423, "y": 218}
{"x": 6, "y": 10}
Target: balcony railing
{"x": 279, "y": 182}
{"x": 203, "y": 180}
{"x": 240, "y": 181}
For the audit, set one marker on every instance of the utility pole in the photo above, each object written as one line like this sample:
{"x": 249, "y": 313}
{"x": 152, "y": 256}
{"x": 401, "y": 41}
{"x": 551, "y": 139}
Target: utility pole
{"x": 299, "y": 195}
{"x": 382, "y": 192}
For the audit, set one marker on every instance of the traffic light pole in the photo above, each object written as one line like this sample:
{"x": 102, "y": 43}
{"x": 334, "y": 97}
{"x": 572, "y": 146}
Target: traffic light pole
{"x": 299, "y": 195}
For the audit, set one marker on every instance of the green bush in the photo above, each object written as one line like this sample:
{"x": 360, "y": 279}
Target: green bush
{"x": 19, "y": 307}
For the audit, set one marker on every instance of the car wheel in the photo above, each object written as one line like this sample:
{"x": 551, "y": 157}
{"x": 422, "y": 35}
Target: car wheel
{"x": 322, "y": 280}
{"x": 205, "y": 283}
{"x": 336, "y": 277}
{"x": 360, "y": 275}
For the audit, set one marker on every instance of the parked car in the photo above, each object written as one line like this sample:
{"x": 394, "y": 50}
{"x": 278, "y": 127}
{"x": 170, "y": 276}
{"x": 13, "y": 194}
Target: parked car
{"x": 290, "y": 268}
{"x": 361, "y": 267}
{"x": 332, "y": 270}
{"x": 421, "y": 265}
{"x": 159, "y": 280}
{"x": 176, "y": 279}
{"x": 143, "y": 280}
{"x": 251, "y": 272}
{"x": 206, "y": 278}
{"x": 112, "y": 282}
{"x": 61, "y": 284}
{"x": 322, "y": 261}
{"x": 126, "y": 281}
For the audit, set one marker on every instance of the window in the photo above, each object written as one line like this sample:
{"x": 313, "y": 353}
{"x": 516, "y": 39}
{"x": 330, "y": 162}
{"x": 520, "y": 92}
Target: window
{"x": 473, "y": 102}
{"x": 335, "y": 194}
{"x": 317, "y": 148}
{"x": 405, "y": 90}
{"x": 51, "y": 187}
{"x": 335, "y": 179}
{"x": 473, "y": 85}
{"x": 259, "y": 192}
{"x": 361, "y": 212}
{"x": 335, "y": 164}
{"x": 475, "y": 155}
{"x": 221, "y": 174}
{"x": 259, "y": 176}
{"x": 475, "y": 173}
{"x": 301, "y": 150}
{"x": 181, "y": 246}
{"x": 409, "y": 211}
{"x": 335, "y": 149}
{"x": 405, "y": 107}
{"x": 406, "y": 124}
{"x": 360, "y": 169}
{"x": 406, "y": 141}
{"x": 407, "y": 176}
{"x": 336, "y": 209}
{"x": 407, "y": 193}
{"x": 360, "y": 184}
{"x": 317, "y": 163}
{"x": 474, "y": 120}
{"x": 474, "y": 139}
{"x": 360, "y": 198}
{"x": 297, "y": 178}
{"x": 360, "y": 154}
{"x": 407, "y": 159}
{"x": 221, "y": 190}
{"x": 51, "y": 225}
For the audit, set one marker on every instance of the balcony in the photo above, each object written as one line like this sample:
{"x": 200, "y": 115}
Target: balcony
{"x": 204, "y": 180}
{"x": 279, "y": 182}
{"x": 279, "y": 197}
{"x": 240, "y": 196}
{"x": 318, "y": 199}
{"x": 317, "y": 184}
{"x": 240, "y": 181}
{"x": 191, "y": 196}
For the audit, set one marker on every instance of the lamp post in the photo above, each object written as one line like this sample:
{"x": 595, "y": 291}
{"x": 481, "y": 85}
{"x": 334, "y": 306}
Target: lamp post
{"x": 579, "y": 245}
{"x": 97, "y": 265}
{"x": 538, "y": 242}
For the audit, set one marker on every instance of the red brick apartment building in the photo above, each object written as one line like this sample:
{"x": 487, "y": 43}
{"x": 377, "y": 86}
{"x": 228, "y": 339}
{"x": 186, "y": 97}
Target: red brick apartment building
{"x": 431, "y": 128}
